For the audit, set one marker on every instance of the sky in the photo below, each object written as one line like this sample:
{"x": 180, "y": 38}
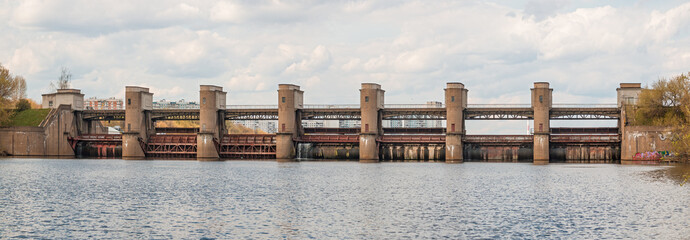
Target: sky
{"x": 412, "y": 48}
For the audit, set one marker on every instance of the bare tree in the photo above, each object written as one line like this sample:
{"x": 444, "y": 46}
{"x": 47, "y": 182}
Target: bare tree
{"x": 64, "y": 81}
{"x": 20, "y": 91}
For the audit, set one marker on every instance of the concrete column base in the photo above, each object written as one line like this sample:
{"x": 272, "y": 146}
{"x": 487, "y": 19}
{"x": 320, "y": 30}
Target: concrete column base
{"x": 286, "y": 160}
{"x": 131, "y": 148}
{"x": 285, "y": 147}
{"x": 205, "y": 147}
{"x": 454, "y": 147}
{"x": 540, "y": 162}
{"x": 368, "y": 149}
{"x": 541, "y": 148}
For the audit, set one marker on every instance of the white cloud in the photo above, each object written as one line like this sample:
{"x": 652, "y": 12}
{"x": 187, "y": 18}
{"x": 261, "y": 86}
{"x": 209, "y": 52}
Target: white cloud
{"x": 329, "y": 47}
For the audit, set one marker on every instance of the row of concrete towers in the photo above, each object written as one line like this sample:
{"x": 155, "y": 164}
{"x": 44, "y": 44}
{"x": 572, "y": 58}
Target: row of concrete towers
{"x": 138, "y": 124}
{"x": 372, "y": 101}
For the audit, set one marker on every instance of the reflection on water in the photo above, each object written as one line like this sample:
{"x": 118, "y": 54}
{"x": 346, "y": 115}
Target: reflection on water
{"x": 238, "y": 199}
{"x": 678, "y": 173}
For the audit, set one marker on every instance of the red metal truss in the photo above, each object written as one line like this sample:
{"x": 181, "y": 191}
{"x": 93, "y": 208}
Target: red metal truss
{"x": 248, "y": 146}
{"x": 600, "y": 138}
{"x": 498, "y": 139}
{"x": 167, "y": 130}
{"x": 592, "y": 130}
{"x": 171, "y": 146}
{"x": 329, "y": 139}
{"x": 413, "y": 139}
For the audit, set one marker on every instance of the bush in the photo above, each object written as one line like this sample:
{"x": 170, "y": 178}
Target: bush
{"x": 22, "y": 105}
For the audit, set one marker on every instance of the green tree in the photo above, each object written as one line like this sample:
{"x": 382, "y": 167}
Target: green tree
{"x": 667, "y": 103}
{"x": 22, "y": 105}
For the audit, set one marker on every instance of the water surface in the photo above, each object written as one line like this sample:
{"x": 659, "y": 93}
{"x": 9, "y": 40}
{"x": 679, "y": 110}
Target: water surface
{"x": 49, "y": 198}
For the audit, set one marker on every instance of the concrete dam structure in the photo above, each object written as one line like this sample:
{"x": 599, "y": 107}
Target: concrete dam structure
{"x": 70, "y": 130}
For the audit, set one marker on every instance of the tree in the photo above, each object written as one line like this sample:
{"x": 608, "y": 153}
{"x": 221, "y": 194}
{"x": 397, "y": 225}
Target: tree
{"x": 22, "y": 105}
{"x": 12, "y": 88}
{"x": 667, "y": 103}
{"x": 64, "y": 81}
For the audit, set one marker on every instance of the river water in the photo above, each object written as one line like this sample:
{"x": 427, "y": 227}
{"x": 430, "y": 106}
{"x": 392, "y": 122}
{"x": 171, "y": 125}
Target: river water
{"x": 76, "y": 199}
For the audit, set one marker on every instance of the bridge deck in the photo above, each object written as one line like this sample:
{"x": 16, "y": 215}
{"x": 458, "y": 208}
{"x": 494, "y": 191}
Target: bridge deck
{"x": 419, "y": 113}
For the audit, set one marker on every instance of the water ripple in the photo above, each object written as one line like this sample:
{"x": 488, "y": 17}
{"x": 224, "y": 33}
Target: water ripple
{"x": 115, "y": 199}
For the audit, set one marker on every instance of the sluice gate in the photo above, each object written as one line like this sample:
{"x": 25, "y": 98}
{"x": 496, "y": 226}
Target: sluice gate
{"x": 171, "y": 146}
{"x": 248, "y": 146}
{"x": 97, "y": 145}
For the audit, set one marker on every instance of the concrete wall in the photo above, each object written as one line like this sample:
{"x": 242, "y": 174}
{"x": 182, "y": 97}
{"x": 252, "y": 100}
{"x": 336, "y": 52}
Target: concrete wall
{"x": 22, "y": 141}
{"x": 58, "y": 128}
{"x": 643, "y": 139}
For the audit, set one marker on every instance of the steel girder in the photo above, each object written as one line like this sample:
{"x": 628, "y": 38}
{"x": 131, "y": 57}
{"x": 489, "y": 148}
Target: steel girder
{"x": 498, "y": 113}
{"x": 355, "y": 114}
{"x": 332, "y": 114}
{"x": 585, "y": 113}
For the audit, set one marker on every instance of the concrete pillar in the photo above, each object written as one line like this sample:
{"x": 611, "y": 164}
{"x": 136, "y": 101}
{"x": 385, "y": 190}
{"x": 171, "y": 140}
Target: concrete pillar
{"x": 371, "y": 101}
{"x": 456, "y": 102}
{"x": 138, "y": 124}
{"x": 67, "y": 121}
{"x": 627, "y": 96}
{"x": 290, "y": 100}
{"x": 211, "y": 122}
{"x": 541, "y": 105}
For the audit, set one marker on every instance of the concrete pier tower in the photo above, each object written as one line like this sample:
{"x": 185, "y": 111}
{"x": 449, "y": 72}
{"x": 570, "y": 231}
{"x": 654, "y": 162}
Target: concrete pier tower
{"x": 456, "y": 102}
{"x": 628, "y": 95}
{"x": 211, "y": 122}
{"x": 138, "y": 124}
{"x": 290, "y": 103}
{"x": 371, "y": 101}
{"x": 541, "y": 105}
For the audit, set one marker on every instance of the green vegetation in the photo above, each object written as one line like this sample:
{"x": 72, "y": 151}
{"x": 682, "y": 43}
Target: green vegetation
{"x": 667, "y": 103}
{"x": 28, "y": 118}
{"x": 22, "y": 105}
{"x": 12, "y": 88}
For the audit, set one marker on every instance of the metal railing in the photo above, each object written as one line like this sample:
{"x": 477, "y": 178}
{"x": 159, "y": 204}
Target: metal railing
{"x": 414, "y": 106}
{"x": 393, "y": 106}
{"x": 499, "y": 105}
{"x": 330, "y": 106}
{"x": 251, "y": 106}
{"x": 577, "y": 105}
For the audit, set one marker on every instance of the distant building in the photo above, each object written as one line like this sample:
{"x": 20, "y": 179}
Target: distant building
{"x": 417, "y": 123}
{"x": 350, "y": 124}
{"x": 103, "y": 103}
{"x": 266, "y": 126}
{"x": 181, "y": 104}
{"x": 313, "y": 123}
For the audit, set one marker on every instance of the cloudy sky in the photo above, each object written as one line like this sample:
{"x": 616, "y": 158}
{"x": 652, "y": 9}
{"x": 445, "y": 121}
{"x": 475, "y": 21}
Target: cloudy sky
{"x": 412, "y": 48}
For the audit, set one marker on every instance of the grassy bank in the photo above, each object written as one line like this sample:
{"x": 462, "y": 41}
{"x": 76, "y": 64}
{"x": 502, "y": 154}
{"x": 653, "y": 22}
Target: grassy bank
{"x": 28, "y": 118}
